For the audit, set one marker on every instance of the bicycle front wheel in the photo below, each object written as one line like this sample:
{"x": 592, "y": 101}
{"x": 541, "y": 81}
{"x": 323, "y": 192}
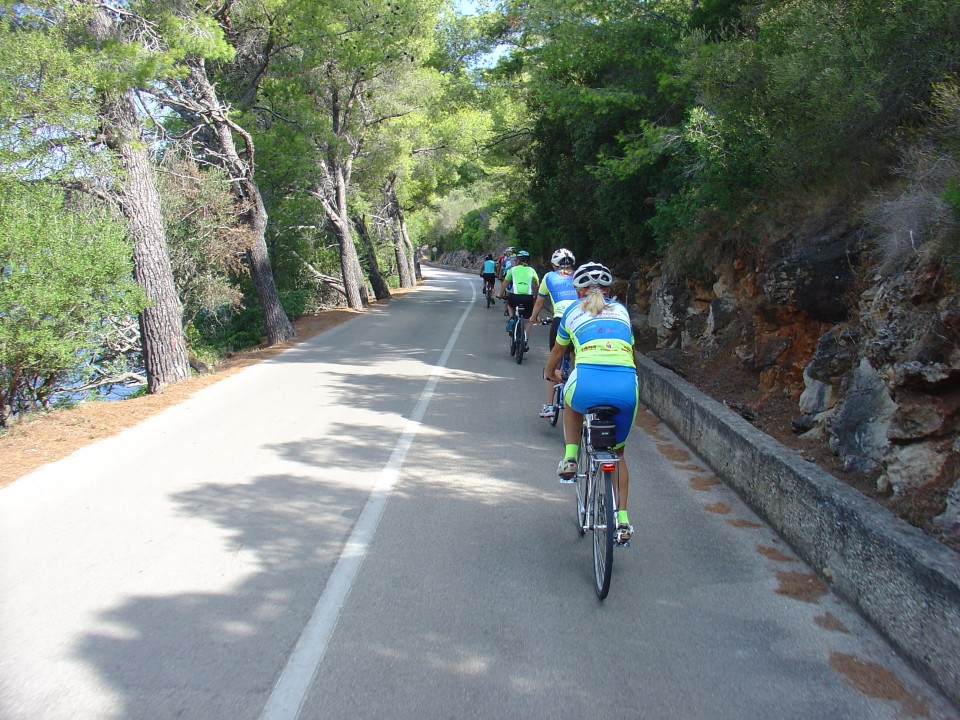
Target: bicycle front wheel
{"x": 604, "y": 530}
{"x": 557, "y": 395}
{"x": 583, "y": 487}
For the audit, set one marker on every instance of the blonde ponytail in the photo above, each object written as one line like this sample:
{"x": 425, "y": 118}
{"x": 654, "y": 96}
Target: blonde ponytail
{"x": 594, "y": 301}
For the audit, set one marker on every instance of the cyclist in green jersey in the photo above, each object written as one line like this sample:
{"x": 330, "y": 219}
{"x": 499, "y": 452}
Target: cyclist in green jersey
{"x": 520, "y": 284}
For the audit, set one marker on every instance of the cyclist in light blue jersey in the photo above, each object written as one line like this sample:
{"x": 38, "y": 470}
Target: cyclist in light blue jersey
{"x": 605, "y": 372}
{"x": 557, "y": 287}
{"x": 489, "y": 273}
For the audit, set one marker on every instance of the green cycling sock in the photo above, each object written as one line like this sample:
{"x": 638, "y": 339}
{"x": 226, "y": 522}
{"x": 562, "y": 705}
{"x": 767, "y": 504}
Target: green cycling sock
{"x": 573, "y": 449}
{"x": 622, "y": 517}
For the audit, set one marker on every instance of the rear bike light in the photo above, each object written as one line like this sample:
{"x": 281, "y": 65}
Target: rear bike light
{"x": 608, "y": 466}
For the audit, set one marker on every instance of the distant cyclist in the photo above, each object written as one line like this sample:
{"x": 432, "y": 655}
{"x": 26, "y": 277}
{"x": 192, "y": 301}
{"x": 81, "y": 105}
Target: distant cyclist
{"x": 489, "y": 274}
{"x": 506, "y": 261}
{"x": 557, "y": 286}
{"x": 605, "y": 373}
{"x": 520, "y": 284}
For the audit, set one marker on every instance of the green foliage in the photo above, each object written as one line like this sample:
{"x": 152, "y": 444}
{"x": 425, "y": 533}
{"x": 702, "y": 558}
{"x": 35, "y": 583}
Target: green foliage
{"x": 210, "y": 336}
{"x": 48, "y": 96}
{"x": 65, "y": 270}
{"x": 474, "y": 232}
{"x": 823, "y": 83}
{"x": 657, "y": 124}
{"x": 951, "y": 195}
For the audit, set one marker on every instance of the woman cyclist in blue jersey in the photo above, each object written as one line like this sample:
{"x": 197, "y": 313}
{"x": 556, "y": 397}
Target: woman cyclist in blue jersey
{"x": 605, "y": 372}
{"x": 557, "y": 286}
{"x": 489, "y": 274}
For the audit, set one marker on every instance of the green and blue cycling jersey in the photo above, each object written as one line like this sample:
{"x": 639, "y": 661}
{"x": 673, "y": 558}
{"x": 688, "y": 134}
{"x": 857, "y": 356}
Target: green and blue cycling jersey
{"x": 559, "y": 288}
{"x": 605, "y": 372}
{"x": 606, "y": 339}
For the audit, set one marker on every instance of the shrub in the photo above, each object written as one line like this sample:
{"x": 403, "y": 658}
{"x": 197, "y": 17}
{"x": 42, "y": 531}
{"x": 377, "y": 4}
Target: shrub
{"x": 65, "y": 271}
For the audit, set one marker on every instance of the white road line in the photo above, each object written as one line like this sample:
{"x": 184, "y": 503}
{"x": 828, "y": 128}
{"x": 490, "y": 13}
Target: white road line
{"x": 288, "y": 694}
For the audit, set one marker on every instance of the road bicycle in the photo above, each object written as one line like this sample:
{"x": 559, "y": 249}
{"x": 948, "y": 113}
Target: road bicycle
{"x": 518, "y": 334}
{"x": 598, "y": 474}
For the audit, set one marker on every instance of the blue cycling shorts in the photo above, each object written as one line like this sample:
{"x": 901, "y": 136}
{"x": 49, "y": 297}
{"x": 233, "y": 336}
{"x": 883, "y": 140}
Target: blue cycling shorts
{"x": 615, "y": 385}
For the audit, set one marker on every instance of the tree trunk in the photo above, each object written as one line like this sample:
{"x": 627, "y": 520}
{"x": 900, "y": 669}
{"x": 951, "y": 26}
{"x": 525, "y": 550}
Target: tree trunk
{"x": 401, "y": 241}
{"x": 380, "y": 288}
{"x": 277, "y": 325}
{"x": 332, "y": 195}
{"x": 400, "y": 250}
{"x": 411, "y": 252}
{"x": 162, "y": 338}
{"x": 165, "y": 357}
{"x": 350, "y": 267}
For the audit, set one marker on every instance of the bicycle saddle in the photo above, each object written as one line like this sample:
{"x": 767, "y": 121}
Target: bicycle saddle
{"x": 603, "y": 410}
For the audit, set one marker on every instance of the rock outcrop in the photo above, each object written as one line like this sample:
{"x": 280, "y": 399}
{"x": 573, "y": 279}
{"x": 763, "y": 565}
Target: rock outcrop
{"x": 871, "y": 358}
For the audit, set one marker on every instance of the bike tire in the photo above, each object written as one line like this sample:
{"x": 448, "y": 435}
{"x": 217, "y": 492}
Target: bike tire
{"x": 489, "y": 300}
{"x": 583, "y": 485}
{"x": 557, "y": 394}
{"x": 521, "y": 341}
{"x": 604, "y": 530}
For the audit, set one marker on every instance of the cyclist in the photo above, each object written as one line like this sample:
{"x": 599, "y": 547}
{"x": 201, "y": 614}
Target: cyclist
{"x": 488, "y": 273}
{"x": 605, "y": 372}
{"x": 507, "y": 261}
{"x": 557, "y": 285}
{"x": 520, "y": 284}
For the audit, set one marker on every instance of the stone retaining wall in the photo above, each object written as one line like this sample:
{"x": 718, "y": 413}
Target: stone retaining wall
{"x": 905, "y": 583}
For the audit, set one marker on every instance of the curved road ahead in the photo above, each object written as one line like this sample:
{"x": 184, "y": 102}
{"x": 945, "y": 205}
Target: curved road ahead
{"x": 370, "y": 525}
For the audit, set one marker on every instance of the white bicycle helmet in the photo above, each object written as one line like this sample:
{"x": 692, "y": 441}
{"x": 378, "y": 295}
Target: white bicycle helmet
{"x": 592, "y": 273}
{"x": 562, "y": 258}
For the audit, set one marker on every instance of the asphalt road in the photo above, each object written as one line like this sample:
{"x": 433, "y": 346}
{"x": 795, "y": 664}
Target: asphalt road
{"x": 370, "y": 525}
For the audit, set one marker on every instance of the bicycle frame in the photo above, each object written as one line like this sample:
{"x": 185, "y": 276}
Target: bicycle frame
{"x": 518, "y": 338}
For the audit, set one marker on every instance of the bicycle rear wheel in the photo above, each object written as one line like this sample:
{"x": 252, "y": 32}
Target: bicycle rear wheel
{"x": 604, "y": 530}
{"x": 521, "y": 339}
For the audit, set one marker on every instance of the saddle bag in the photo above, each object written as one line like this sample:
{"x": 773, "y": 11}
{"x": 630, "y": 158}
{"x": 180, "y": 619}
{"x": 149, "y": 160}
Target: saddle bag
{"x": 603, "y": 434}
